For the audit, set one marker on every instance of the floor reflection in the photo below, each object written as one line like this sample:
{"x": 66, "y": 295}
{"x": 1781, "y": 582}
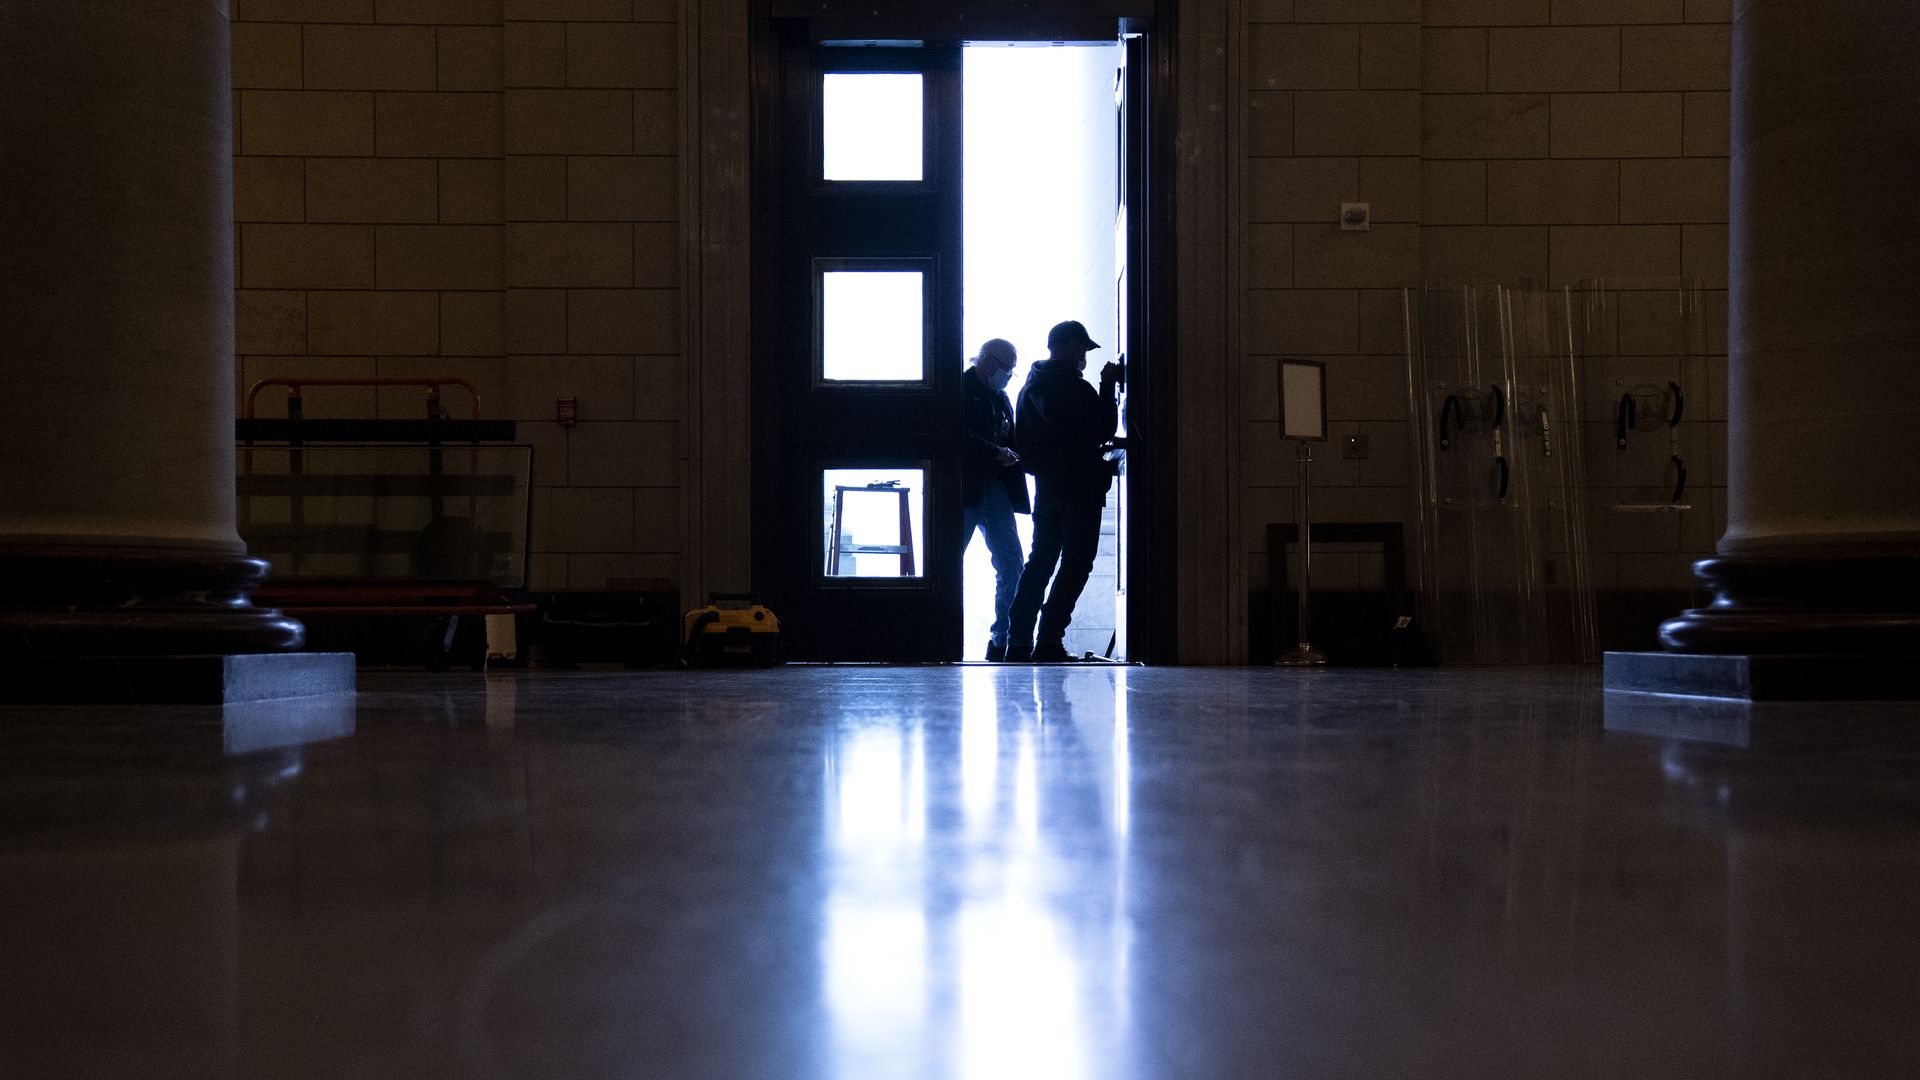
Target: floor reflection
{"x": 120, "y": 836}
{"x": 983, "y": 943}
{"x": 969, "y": 873}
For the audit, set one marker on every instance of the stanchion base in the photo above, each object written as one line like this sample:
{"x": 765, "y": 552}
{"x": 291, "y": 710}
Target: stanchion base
{"x": 1301, "y": 656}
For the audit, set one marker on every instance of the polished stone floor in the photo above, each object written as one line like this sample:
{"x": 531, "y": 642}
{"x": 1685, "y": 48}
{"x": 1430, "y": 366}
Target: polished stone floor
{"x": 979, "y": 872}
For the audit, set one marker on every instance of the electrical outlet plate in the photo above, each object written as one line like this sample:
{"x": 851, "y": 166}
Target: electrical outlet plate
{"x": 1356, "y": 216}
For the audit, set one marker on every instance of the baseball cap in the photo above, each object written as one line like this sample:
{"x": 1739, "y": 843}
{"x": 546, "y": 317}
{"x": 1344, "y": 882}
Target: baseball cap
{"x": 1070, "y": 333}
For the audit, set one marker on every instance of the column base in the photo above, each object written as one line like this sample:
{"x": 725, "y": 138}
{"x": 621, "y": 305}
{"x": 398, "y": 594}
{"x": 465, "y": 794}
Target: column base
{"x": 1763, "y": 677}
{"x": 201, "y": 679}
{"x": 60, "y": 601}
{"x": 1797, "y": 727}
{"x": 1862, "y": 605}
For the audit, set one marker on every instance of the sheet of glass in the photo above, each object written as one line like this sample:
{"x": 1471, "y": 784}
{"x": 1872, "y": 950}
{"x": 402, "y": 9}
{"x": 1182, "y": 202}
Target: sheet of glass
{"x": 1499, "y": 406}
{"x": 1643, "y": 345}
{"x": 870, "y": 126}
{"x": 872, "y": 327}
{"x": 871, "y": 522}
{"x": 456, "y": 513}
{"x": 1547, "y": 424}
{"x": 1481, "y": 449}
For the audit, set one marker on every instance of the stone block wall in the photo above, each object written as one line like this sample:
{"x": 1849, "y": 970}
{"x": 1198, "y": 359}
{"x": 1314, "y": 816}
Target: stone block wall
{"x": 495, "y": 189}
{"x": 487, "y": 189}
{"x": 1540, "y": 142}
{"x": 1332, "y": 113}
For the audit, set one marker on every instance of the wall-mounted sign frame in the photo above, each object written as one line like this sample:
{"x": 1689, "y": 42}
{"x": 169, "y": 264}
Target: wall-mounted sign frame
{"x": 1303, "y": 400}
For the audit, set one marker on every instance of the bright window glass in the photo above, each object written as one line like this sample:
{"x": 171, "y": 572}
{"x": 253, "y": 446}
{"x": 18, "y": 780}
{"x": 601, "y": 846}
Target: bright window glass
{"x": 871, "y": 326}
{"x": 871, "y": 126}
{"x": 872, "y": 522}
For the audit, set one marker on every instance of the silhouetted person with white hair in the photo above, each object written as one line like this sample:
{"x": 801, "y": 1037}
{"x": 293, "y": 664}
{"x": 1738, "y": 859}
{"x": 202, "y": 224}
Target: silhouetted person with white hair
{"x": 992, "y": 485}
{"x": 1059, "y": 430}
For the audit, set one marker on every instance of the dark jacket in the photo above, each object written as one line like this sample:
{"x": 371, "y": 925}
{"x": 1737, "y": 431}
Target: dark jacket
{"x": 1061, "y": 425}
{"x": 989, "y": 424}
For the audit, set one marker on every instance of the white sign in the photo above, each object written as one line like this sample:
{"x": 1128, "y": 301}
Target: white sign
{"x": 1303, "y": 400}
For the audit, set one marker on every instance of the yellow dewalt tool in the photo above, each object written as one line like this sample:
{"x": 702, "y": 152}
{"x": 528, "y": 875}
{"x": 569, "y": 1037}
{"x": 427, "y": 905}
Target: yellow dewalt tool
{"x": 733, "y": 630}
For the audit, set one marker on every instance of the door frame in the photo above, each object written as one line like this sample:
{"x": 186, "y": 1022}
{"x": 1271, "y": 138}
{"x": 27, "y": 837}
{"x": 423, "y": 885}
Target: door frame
{"x": 1152, "y": 608}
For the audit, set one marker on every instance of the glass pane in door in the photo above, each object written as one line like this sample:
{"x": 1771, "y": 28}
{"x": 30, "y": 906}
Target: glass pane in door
{"x": 872, "y": 522}
{"x": 872, "y": 327}
{"x": 870, "y": 126}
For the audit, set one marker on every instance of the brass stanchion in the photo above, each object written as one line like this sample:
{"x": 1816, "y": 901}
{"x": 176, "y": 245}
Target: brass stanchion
{"x": 1304, "y": 654}
{"x": 1303, "y": 418}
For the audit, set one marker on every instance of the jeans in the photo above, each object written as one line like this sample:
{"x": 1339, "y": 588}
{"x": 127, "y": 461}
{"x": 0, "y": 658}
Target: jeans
{"x": 993, "y": 516}
{"x": 1066, "y": 532}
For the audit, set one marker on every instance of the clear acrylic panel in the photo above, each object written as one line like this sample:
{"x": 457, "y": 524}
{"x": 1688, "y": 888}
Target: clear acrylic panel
{"x": 387, "y": 512}
{"x": 870, "y": 126}
{"x": 1496, "y": 403}
{"x": 872, "y": 326}
{"x": 1643, "y": 343}
{"x": 871, "y": 521}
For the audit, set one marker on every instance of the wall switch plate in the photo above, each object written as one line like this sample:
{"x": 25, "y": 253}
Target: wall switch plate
{"x": 566, "y": 410}
{"x": 1356, "y": 216}
{"x": 1354, "y": 448}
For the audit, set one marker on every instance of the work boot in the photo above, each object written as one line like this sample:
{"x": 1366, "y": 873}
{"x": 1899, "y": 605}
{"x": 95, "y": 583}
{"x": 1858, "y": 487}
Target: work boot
{"x": 996, "y": 652}
{"x": 1051, "y": 652}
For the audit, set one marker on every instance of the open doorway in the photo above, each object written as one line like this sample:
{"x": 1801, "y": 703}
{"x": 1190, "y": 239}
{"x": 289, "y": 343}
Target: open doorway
{"x": 869, "y": 295}
{"x": 1044, "y": 242}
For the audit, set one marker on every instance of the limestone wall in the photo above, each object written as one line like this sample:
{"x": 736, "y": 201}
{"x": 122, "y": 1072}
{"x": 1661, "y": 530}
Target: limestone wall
{"x": 494, "y": 189}
{"x": 482, "y": 189}
{"x": 1512, "y": 141}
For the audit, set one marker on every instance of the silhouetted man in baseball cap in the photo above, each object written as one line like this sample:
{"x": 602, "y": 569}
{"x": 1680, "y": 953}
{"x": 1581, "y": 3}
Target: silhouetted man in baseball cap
{"x": 1058, "y": 429}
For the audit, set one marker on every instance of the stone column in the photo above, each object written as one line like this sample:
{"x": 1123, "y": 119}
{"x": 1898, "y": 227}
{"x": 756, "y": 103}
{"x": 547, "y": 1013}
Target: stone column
{"x": 1822, "y": 549}
{"x": 116, "y": 335}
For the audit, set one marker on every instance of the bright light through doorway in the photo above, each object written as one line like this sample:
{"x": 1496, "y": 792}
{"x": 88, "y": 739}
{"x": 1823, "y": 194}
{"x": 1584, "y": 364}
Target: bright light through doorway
{"x": 1041, "y": 194}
